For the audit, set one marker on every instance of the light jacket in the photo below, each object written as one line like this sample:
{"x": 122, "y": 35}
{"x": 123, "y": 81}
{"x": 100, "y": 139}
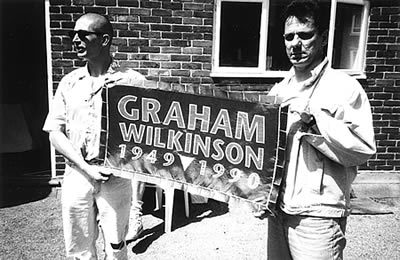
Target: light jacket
{"x": 322, "y": 160}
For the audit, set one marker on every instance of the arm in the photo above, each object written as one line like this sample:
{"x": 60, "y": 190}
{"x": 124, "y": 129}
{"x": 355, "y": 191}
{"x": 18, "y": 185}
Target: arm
{"x": 63, "y": 145}
{"x": 344, "y": 131}
{"x": 55, "y": 126}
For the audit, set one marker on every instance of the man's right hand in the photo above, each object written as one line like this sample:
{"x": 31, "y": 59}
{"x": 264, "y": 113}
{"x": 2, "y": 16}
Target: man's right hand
{"x": 96, "y": 173}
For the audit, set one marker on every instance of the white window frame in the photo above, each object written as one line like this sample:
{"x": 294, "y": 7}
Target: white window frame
{"x": 358, "y": 67}
{"x": 260, "y": 71}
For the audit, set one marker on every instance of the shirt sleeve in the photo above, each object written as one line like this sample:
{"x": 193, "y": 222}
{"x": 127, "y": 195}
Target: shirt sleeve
{"x": 56, "y": 118}
{"x": 346, "y": 130}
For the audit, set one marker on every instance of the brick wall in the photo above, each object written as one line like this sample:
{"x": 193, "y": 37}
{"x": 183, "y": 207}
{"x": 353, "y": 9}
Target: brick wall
{"x": 383, "y": 82}
{"x": 171, "y": 42}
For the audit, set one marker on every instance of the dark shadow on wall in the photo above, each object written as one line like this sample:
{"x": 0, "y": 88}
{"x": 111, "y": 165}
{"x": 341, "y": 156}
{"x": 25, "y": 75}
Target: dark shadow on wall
{"x": 24, "y": 147}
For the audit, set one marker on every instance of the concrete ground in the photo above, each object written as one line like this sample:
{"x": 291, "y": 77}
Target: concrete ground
{"x": 30, "y": 228}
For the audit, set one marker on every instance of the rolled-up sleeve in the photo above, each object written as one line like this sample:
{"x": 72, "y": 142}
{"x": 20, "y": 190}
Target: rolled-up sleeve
{"x": 56, "y": 118}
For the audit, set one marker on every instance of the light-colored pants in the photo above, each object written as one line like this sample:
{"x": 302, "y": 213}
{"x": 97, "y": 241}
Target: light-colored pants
{"x": 304, "y": 237}
{"x": 84, "y": 203}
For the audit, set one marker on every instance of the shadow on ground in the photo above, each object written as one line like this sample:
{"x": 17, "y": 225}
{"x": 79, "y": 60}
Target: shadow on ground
{"x": 14, "y": 194}
{"x": 197, "y": 213}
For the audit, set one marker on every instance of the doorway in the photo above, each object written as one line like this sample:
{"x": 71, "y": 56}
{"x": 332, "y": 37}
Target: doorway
{"x": 24, "y": 147}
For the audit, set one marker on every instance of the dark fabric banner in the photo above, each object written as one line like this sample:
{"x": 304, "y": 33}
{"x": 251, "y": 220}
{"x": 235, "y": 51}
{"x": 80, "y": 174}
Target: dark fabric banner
{"x": 214, "y": 147}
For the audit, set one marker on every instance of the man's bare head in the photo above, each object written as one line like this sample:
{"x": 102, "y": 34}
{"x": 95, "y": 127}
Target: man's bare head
{"x": 92, "y": 37}
{"x": 94, "y": 23}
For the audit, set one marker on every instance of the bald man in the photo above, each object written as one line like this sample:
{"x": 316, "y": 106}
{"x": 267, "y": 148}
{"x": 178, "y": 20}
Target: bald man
{"x": 74, "y": 126}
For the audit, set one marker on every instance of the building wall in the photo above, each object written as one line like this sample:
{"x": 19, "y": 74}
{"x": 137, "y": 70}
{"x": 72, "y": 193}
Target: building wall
{"x": 171, "y": 41}
{"x": 383, "y": 82}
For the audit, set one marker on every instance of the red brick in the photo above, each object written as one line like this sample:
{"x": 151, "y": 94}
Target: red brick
{"x": 170, "y": 65}
{"x": 71, "y": 9}
{"x": 203, "y": 58}
{"x": 181, "y": 13}
{"x": 193, "y": 6}
{"x": 191, "y": 66}
{"x": 193, "y": 21}
{"x": 117, "y": 11}
{"x": 160, "y": 42}
{"x": 131, "y": 49}
{"x": 192, "y": 36}
{"x": 171, "y": 50}
{"x": 393, "y": 75}
{"x": 180, "y": 43}
{"x": 130, "y": 3}
{"x": 150, "y": 19}
{"x": 60, "y": 17}
{"x": 172, "y": 6}
{"x": 379, "y": 17}
{"x": 138, "y": 42}
{"x": 139, "y": 12}
{"x": 60, "y": 2}
{"x": 180, "y": 58}
{"x": 150, "y": 35}
{"x": 171, "y": 35}
{"x": 160, "y": 27}
{"x": 159, "y": 57}
{"x": 83, "y": 2}
{"x": 149, "y": 4}
{"x": 161, "y": 12}
{"x": 386, "y": 39}
{"x": 385, "y": 68}
{"x": 172, "y": 20}
{"x": 180, "y": 73}
{"x": 148, "y": 49}
{"x": 95, "y": 9}
{"x": 390, "y": 10}
{"x": 182, "y": 28}
{"x": 190, "y": 80}
{"x": 171, "y": 80}
{"x": 203, "y": 14}
{"x": 126, "y": 33}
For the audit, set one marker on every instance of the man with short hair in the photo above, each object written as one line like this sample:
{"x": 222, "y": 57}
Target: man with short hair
{"x": 74, "y": 125}
{"x": 330, "y": 132}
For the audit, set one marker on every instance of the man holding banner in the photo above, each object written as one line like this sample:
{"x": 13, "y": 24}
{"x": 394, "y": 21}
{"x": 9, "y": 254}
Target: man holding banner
{"x": 330, "y": 132}
{"x": 89, "y": 194}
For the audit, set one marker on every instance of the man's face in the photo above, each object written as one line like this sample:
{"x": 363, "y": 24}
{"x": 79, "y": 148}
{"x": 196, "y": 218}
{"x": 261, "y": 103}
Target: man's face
{"x": 304, "y": 45}
{"x": 87, "y": 41}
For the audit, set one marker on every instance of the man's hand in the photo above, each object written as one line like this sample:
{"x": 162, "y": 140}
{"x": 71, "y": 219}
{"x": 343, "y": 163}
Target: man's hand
{"x": 96, "y": 173}
{"x": 302, "y": 108}
{"x": 260, "y": 212}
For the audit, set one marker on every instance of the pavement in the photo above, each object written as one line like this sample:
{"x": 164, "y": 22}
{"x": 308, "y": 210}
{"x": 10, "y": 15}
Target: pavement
{"x": 214, "y": 230}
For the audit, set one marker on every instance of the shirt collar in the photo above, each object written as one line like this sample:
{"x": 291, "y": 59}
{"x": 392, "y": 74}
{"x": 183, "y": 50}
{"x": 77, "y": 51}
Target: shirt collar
{"x": 113, "y": 68}
{"x": 314, "y": 72}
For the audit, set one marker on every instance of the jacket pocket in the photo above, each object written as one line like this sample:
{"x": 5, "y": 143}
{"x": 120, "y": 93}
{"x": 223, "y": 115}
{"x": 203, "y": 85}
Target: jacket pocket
{"x": 315, "y": 170}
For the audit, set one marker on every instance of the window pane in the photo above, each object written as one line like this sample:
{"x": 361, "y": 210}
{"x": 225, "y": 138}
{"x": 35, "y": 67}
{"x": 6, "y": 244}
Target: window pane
{"x": 347, "y": 36}
{"x": 276, "y": 54}
{"x": 240, "y": 34}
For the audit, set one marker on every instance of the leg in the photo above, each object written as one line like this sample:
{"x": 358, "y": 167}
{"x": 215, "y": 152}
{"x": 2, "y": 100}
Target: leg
{"x": 316, "y": 238}
{"x": 277, "y": 244}
{"x": 114, "y": 202}
{"x": 79, "y": 215}
{"x": 135, "y": 218}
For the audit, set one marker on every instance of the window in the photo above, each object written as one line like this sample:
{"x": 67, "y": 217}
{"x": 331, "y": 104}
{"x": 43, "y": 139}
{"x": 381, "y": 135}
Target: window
{"x": 349, "y": 36}
{"x": 248, "y": 37}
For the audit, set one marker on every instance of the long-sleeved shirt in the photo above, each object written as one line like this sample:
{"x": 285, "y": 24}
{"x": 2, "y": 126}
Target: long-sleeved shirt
{"x": 321, "y": 161}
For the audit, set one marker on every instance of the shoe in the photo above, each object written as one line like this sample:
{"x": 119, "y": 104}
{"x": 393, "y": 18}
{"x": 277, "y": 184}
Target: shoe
{"x": 134, "y": 231}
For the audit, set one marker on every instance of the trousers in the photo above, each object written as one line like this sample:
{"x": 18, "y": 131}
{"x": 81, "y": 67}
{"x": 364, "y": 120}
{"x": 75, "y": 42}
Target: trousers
{"x": 86, "y": 204}
{"x": 305, "y": 237}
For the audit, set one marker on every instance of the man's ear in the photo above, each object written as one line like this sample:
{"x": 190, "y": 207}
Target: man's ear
{"x": 106, "y": 40}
